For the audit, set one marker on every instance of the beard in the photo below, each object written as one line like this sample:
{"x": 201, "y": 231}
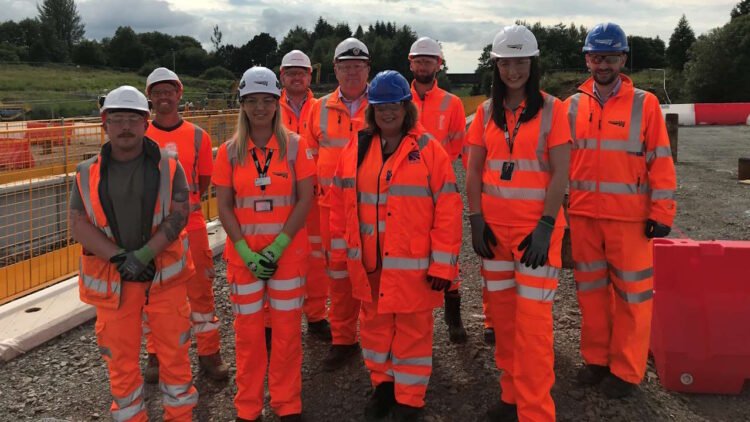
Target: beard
{"x": 606, "y": 80}
{"x": 425, "y": 79}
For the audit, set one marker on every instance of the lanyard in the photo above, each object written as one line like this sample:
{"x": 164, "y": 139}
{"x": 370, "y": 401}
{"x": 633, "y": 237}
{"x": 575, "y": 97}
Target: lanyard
{"x": 510, "y": 140}
{"x": 264, "y": 171}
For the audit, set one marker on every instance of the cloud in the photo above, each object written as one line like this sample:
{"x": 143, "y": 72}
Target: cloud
{"x": 102, "y": 17}
{"x": 17, "y": 10}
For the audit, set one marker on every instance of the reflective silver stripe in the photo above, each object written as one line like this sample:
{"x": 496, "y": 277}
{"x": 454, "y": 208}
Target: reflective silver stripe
{"x": 410, "y": 379}
{"x": 496, "y": 265}
{"x": 448, "y": 188}
{"x": 323, "y": 122}
{"x": 423, "y": 140}
{"x": 632, "y": 147}
{"x": 184, "y": 337}
{"x": 105, "y": 351}
{"x": 247, "y": 308}
{"x": 205, "y": 327}
{"x": 85, "y": 171}
{"x": 263, "y": 228}
{"x": 202, "y": 317}
{"x": 545, "y": 271}
{"x": 536, "y": 293}
{"x": 639, "y": 297}
{"x": 249, "y": 201}
{"x": 315, "y": 239}
{"x": 444, "y": 258}
{"x": 636, "y": 119}
{"x": 487, "y": 108}
{"x": 658, "y": 152}
{"x": 500, "y": 285}
{"x": 178, "y": 395}
{"x": 371, "y": 198}
{"x": 174, "y": 269}
{"x": 445, "y": 103}
{"x": 514, "y": 193}
{"x": 286, "y": 285}
{"x": 657, "y": 194}
{"x": 354, "y": 253}
{"x": 409, "y": 190}
{"x": 373, "y": 356}
{"x": 586, "y": 286}
{"x": 327, "y": 142}
{"x": 165, "y": 194}
{"x": 623, "y": 188}
{"x": 127, "y": 413}
{"x": 316, "y": 254}
{"x": 573, "y": 113}
{"x": 586, "y": 143}
{"x": 367, "y": 229}
{"x": 338, "y": 275}
{"x": 325, "y": 181}
{"x": 197, "y": 138}
{"x": 338, "y": 243}
{"x": 545, "y": 127}
{"x": 390, "y": 263}
{"x": 591, "y": 266}
{"x": 246, "y": 289}
{"x": 91, "y": 283}
{"x": 586, "y": 185}
{"x": 418, "y": 361}
{"x": 130, "y": 398}
{"x": 287, "y": 304}
{"x": 520, "y": 165}
{"x": 632, "y": 275}
{"x": 346, "y": 182}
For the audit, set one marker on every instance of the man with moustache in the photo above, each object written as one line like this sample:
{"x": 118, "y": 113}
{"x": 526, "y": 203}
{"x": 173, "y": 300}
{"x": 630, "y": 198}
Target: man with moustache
{"x": 193, "y": 148}
{"x": 622, "y": 183}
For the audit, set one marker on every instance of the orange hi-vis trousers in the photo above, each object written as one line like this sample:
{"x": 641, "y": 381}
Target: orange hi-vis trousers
{"x": 285, "y": 294}
{"x": 397, "y": 347}
{"x": 344, "y": 309}
{"x": 614, "y": 277}
{"x": 200, "y": 293}
{"x": 119, "y": 333}
{"x": 520, "y": 304}
{"x": 317, "y": 279}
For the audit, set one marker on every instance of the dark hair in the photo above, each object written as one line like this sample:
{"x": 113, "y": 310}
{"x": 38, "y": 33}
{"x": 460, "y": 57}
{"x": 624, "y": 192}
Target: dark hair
{"x": 410, "y": 119}
{"x": 534, "y": 99}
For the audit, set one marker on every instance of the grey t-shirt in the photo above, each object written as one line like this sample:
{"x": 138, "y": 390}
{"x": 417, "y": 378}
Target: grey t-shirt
{"x": 125, "y": 188}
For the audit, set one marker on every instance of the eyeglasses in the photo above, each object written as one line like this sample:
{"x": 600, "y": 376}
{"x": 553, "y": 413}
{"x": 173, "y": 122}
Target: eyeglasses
{"x": 295, "y": 73}
{"x": 252, "y": 102}
{"x": 520, "y": 62}
{"x": 162, "y": 92}
{"x": 392, "y": 107}
{"x": 609, "y": 59}
{"x": 122, "y": 120}
{"x": 424, "y": 61}
{"x": 347, "y": 68}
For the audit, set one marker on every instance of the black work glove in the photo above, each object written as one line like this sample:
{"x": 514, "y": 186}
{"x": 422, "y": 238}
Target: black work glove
{"x": 131, "y": 268}
{"x": 656, "y": 229}
{"x": 481, "y": 236}
{"x": 536, "y": 244}
{"x": 438, "y": 283}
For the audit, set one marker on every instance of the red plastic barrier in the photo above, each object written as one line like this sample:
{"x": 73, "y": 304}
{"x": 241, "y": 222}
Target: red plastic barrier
{"x": 721, "y": 113}
{"x": 15, "y": 154}
{"x": 700, "y": 337}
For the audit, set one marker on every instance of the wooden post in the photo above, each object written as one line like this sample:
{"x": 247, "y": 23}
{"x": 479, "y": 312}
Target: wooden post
{"x": 672, "y": 129}
{"x": 743, "y": 168}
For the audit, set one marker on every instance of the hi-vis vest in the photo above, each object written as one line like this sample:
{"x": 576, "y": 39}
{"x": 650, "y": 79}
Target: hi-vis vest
{"x": 402, "y": 216}
{"x": 99, "y": 281}
{"x": 442, "y": 115}
{"x": 289, "y": 119}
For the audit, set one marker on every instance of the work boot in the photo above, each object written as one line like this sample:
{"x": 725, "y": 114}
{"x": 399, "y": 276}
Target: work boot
{"x": 590, "y": 375}
{"x": 502, "y": 412}
{"x": 296, "y": 417}
{"x": 339, "y": 355}
{"x": 213, "y": 366}
{"x": 381, "y": 402}
{"x": 404, "y": 413}
{"x": 151, "y": 374}
{"x": 456, "y": 331}
{"x": 616, "y": 388}
{"x": 320, "y": 330}
{"x": 269, "y": 336}
{"x": 489, "y": 335}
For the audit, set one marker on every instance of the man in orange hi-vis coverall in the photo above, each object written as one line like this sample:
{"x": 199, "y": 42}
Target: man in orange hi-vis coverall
{"x": 622, "y": 183}
{"x": 128, "y": 211}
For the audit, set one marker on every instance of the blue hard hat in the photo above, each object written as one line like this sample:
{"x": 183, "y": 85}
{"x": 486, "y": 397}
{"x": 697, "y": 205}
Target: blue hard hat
{"x": 388, "y": 86}
{"x": 606, "y": 37}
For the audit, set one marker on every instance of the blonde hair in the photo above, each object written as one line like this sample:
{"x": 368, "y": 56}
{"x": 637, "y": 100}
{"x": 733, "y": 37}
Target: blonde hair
{"x": 242, "y": 134}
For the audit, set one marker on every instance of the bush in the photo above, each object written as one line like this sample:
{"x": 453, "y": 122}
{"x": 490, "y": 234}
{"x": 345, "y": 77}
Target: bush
{"x": 217, "y": 72}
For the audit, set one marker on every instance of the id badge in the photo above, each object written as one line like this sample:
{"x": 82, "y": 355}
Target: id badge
{"x": 263, "y": 205}
{"x": 263, "y": 181}
{"x": 507, "y": 172}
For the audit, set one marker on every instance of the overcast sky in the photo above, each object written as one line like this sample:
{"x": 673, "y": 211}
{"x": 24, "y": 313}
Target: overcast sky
{"x": 463, "y": 27}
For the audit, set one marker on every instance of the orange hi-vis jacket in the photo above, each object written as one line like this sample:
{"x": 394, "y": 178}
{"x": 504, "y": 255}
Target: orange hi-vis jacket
{"x": 290, "y": 120}
{"x": 520, "y": 201}
{"x": 193, "y": 147}
{"x": 99, "y": 281}
{"x": 329, "y": 131}
{"x": 402, "y": 216}
{"x": 621, "y": 162}
{"x": 442, "y": 115}
{"x": 262, "y": 213}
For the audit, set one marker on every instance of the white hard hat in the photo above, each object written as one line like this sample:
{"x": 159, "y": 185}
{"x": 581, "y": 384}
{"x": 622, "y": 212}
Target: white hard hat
{"x": 514, "y": 41}
{"x": 425, "y": 46}
{"x": 124, "y": 98}
{"x": 162, "y": 74}
{"x": 351, "y": 49}
{"x": 259, "y": 80}
{"x": 295, "y": 58}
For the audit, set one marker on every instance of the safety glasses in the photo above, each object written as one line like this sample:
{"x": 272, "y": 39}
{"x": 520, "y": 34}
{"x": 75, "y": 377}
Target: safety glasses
{"x": 609, "y": 59}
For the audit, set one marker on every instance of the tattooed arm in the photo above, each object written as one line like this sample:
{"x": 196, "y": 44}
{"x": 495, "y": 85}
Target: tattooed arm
{"x": 170, "y": 228}
{"x": 93, "y": 240}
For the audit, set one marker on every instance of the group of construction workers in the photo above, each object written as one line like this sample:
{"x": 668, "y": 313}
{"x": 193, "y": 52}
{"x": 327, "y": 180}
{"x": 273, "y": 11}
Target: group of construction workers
{"x": 346, "y": 209}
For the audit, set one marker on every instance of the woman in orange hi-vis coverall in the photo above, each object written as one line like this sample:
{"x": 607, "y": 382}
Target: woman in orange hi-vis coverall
{"x": 396, "y": 229}
{"x": 264, "y": 189}
{"x": 519, "y": 151}
{"x": 622, "y": 183}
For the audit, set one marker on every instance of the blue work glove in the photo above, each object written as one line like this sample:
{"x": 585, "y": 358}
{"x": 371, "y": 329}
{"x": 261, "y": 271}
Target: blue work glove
{"x": 656, "y": 229}
{"x": 481, "y": 236}
{"x": 137, "y": 265}
{"x": 260, "y": 266}
{"x": 276, "y": 248}
{"x": 536, "y": 244}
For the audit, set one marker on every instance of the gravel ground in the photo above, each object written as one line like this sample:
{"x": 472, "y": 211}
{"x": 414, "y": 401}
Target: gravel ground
{"x": 65, "y": 379}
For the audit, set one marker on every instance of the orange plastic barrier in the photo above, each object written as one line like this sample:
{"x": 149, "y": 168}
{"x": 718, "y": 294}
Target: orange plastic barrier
{"x": 15, "y": 154}
{"x": 700, "y": 336}
{"x": 54, "y": 133}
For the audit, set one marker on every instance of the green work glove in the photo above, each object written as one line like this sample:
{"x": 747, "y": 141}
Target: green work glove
{"x": 262, "y": 268}
{"x": 276, "y": 248}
